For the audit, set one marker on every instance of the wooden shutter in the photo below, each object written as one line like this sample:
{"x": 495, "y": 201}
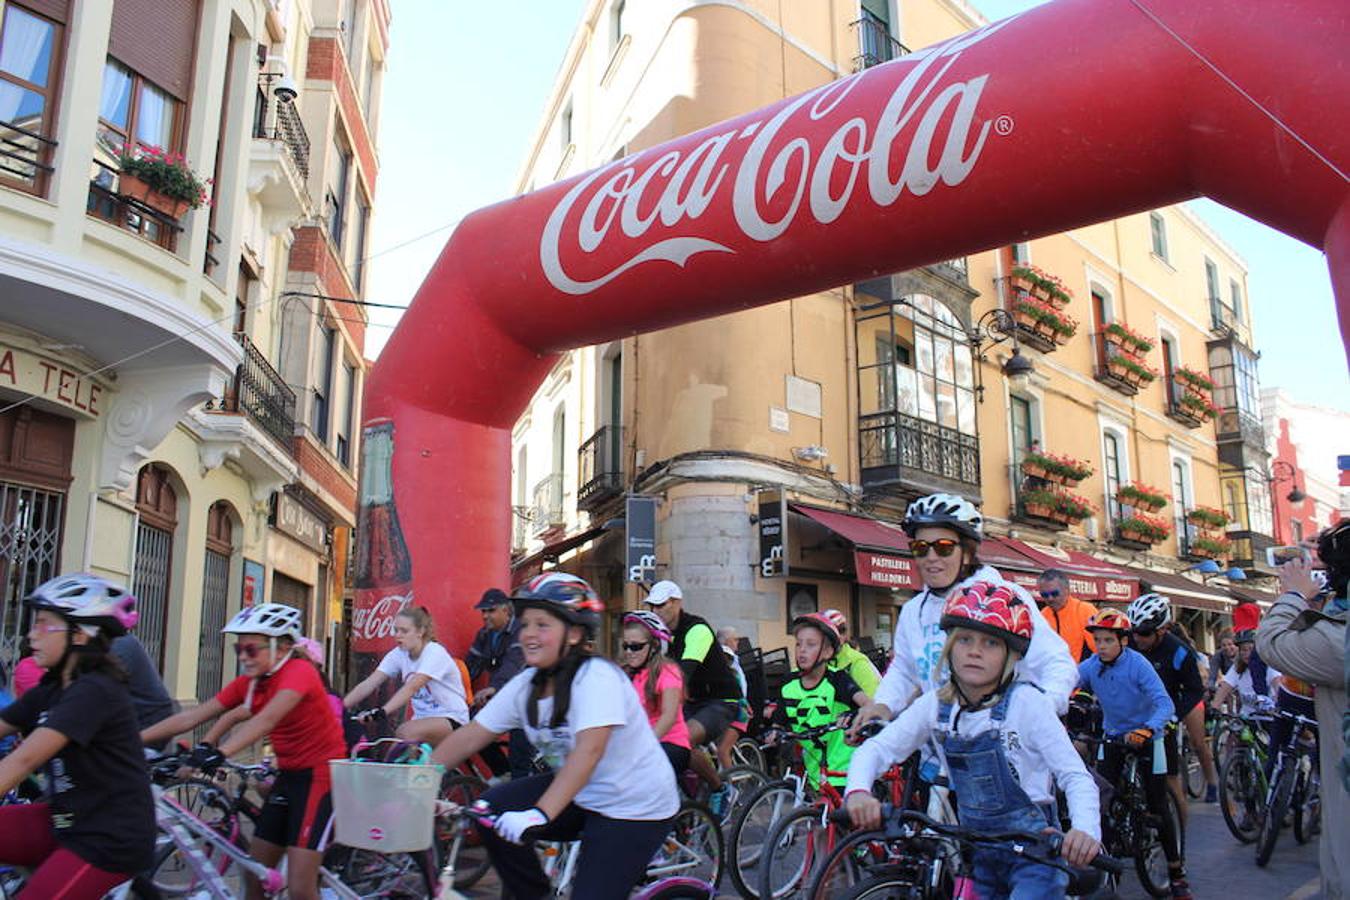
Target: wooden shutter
{"x": 879, "y": 8}
{"x": 156, "y": 39}
{"x": 56, "y": 10}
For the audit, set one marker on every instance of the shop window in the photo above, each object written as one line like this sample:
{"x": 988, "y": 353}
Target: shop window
{"x": 157, "y": 512}
{"x": 30, "y": 63}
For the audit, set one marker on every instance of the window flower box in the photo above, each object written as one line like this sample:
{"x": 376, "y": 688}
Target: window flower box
{"x": 1193, "y": 380}
{"x": 1208, "y": 517}
{"x": 1040, "y": 503}
{"x": 1210, "y": 548}
{"x": 1141, "y": 496}
{"x": 1144, "y": 529}
{"x": 161, "y": 180}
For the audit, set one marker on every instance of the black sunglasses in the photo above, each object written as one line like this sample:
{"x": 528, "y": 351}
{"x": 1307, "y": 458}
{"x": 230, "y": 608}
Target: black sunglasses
{"x": 944, "y": 547}
{"x": 1049, "y": 595}
{"x": 633, "y": 648}
{"x": 249, "y": 650}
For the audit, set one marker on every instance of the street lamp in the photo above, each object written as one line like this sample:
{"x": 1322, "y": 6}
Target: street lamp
{"x": 992, "y": 329}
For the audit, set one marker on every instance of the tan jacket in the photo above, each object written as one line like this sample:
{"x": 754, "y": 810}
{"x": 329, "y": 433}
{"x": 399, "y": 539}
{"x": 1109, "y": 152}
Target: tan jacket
{"x": 1311, "y": 646}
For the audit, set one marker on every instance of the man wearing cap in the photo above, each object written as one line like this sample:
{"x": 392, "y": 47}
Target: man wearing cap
{"x": 496, "y": 651}
{"x": 711, "y": 690}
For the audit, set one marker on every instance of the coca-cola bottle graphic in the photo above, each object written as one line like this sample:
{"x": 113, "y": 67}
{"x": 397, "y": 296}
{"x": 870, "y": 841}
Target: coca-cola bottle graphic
{"x": 383, "y": 571}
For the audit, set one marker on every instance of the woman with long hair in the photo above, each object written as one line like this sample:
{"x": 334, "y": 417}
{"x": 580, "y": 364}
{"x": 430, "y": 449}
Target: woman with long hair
{"x": 96, "y": 828}
{"x": 659, "y": 683}
{"x": 607, "y": 788}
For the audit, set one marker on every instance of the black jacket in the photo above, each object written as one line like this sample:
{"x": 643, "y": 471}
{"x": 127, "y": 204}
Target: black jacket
{"x": 498, "y": 653}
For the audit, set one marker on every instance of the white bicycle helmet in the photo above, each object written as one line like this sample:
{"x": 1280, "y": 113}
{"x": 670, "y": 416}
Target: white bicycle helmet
{"x": 947, "y": 510}
{"x": 89, "y": 602}
{"x": 1149, "y": 612}
{"x": 271, "y": 619}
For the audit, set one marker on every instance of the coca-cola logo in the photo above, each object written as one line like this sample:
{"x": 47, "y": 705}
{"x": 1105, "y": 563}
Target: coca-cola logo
{"x": 376, "y": 621}
{"x": 788, "y": 173}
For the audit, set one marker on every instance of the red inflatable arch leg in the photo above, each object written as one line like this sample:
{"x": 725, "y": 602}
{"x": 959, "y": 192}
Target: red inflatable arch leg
{"x": 957, "y": 148}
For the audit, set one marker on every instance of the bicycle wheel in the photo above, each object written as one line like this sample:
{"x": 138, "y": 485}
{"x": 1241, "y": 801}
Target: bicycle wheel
{"x": 1193, "y": 773}
{"x": 677, "y": 889}
{"x": 744, "y": 781}
{"x": 171, "y": 874}
{"x": 395, "y": 876}
{"x": 693, "y": 848}
{"x": 1308, "y": 807}
{"x": 746, "y": 752}
{"x": 1150, "y": 859}
{"x": 750, "y": 826}
{"x": 862, "y": 856}
{"x": 1276, "y": 809}
{"x": 886, "y": 886}
{"x": 790, "y": 852}
{"x": 471, "y": 859}
{"x": 1238, "y": 796}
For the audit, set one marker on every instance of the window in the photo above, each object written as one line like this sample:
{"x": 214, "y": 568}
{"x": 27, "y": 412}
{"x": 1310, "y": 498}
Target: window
{"x": 347, "y": 24}
{"x": 343, "y": 449}
{"x": 356, "y": 263}
{"x": 941, "y": 385}
{"x": 1158, "y": 230}
{"x": 616, "y": 26}
{"x": 323, "y": 384}
{"x": 1111, "y": 471}
{"x": 1220, "y": 315}
{"x": 243, "y": 290}
{"x": 1261, "y": 519}
{"x": 1169, "y": 360}
{"x": 1021, "y": 253}
{"x": 133, "y": 111}
{"x": 565, "y": 126}
{"x": 1235, "y": 293}
{"x": 1181, "y": 493}
{"x": 1296, "y": 531}
{"x": 559, "y": 439}
{"x": 337, "y": 192}
{"x": 30, "y": 48}
{"x": 1101, "y": 315}
{"x": 1023, "y": 431}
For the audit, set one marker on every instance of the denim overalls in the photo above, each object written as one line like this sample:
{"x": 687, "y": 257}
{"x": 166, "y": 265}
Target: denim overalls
{"x": 989, "y": 799}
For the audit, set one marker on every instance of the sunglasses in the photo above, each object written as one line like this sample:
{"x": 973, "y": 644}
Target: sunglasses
{"x": 633, "y": 648}
{"x": 249, "y": 650}
{"x": 1048, "y": 595}
{"x": 944, "y": 547}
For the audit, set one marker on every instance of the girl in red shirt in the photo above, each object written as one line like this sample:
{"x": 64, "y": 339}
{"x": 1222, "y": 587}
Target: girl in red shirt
{"x": 288, "y": 702}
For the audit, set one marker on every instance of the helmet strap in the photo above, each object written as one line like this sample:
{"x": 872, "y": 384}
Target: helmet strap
{"x": 277, "y": 663}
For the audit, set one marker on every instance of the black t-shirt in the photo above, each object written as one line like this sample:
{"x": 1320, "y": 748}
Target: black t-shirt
{"x": 98, "y": 786}
{"x": 148, "y": 696}
{"x": 707, "y": 673}
{"x": 1179, "y": 669}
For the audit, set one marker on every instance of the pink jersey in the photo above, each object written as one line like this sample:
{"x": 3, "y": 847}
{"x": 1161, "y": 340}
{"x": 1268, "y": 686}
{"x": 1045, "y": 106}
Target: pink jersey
{"x": 671, "y": 677}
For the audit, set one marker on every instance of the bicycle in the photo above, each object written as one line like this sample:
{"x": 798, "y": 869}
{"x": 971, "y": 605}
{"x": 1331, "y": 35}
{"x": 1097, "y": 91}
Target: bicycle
{"x": 1192, "y": 770}
{"x": 1130, "y": 828}
{"x": 920, "y": 842}
{"x": 1242, "y": 777}
{"x": 1288, "y": 781}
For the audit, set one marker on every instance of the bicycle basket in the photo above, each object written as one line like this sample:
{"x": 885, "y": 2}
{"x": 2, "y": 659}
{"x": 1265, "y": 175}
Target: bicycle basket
{"x": 387, "y": 807}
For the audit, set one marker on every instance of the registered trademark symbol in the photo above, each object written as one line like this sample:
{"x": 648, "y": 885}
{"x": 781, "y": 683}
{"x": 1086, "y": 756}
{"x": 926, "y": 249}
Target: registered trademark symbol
{"x": 1003, "y": 124}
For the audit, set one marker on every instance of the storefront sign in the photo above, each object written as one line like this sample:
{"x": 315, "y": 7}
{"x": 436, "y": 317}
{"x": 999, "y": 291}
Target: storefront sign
{"x": 1084, "y": 587}
{"x": 50, "y": 380}
{"x": 772, "y": 534}
{"x": 290, "y": 518}
{"x": 885, "y": 570}
{"x": 640, "y": 558}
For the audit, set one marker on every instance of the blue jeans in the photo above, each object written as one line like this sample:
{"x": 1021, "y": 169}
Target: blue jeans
{"x": 1000, "y": 873}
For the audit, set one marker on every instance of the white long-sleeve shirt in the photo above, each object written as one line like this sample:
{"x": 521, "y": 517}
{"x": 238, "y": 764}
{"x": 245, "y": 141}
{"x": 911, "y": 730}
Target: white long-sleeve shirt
{"x": 1036, "y": 744}
{"x": 918, "y": 644}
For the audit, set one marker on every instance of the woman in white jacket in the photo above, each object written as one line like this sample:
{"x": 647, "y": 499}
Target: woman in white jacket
{"x": 945, "y": 533}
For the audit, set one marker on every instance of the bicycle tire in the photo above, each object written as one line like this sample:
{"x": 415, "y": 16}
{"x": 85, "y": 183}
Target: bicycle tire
{"x": 1307, "y": 807}
{"x": 170, "y": 874}
{"x": 471, "y": 862}
{"x": 388, "y": 876}
{"x": 749, "y": 827}
{"x": 745, "y": 780}
{"x": 792, "y": 849}
{"x": 695, "y": 829}
{"x": 865, "y": 855}
{"x": 1280, "y": 796}
{"x": 1150, "y": 860}
{"x": 1192, "y": 769}
{"x": 746, "y": 752}
{"x": 677, "y": 889}
{"x": 1237, "y": 788}
{"x": 886, "y": 886}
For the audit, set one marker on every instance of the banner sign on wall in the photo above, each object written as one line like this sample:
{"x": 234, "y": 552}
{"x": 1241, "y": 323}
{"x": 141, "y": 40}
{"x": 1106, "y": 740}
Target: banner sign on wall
{"x": 640, "y": 557}
{"x": 885, "y": 570}
{"x": 772, "y": 534}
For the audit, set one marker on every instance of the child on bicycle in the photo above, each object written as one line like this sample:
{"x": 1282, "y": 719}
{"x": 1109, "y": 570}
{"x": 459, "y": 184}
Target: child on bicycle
{"x": 1136, "y": 708}
{"x": 290, "y": 705}
{"x": 659, "y": 683}
{"x": 820, "y": 695}
{"x": 1001, "y": 742}
{"x": 96, "y": 828}
{"x": 609, "y": 790}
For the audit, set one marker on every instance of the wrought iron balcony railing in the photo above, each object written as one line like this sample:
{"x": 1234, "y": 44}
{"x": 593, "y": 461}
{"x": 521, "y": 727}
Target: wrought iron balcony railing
{"x": 548, "y": 503}
{"x": 875, "y": 44}
{"x": 279, "y": 120}
{"x": 260, "y": 392}
{"x": 894, "y": 448}
{"x": 25, "y": 155}
{"x": 600, "y": 467}
{"x": 106, "y": 203}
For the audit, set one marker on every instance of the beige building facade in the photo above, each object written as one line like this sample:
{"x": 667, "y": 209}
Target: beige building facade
{"x": 849, "y": 403}
{"x": 179, "y": 387}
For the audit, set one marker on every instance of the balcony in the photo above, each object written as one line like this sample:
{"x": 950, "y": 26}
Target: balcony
{"x": 954, "y": 269}
{"x": 259, "y": 391}
{"x": 1117, "y": 369}
{"x": 1036, "y": 514}
{"x": 107, "y": 203}
{"x": 600, "y": 468}
{"x": 904, "y": 455}
{"x": 1179, "y": 408}
{"x": 548, "y": 503}
{"x": 25, "y": 157}
{"x": 1236, "y": 426}
{"x": 1249, "y": 550}
{"x": 875, "y": 44}
{"x": 278, "y": 171}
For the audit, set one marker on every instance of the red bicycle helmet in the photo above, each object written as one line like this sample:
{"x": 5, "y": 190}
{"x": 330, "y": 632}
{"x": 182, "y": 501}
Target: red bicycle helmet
{"x": 1109, "y": 620}
{"x": 822, "y": 624}
{"x": 993, "y": 609}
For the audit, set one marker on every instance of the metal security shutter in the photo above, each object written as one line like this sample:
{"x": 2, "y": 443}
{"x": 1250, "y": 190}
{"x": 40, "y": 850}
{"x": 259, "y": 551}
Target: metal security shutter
{"x": 157, "y": 506}
{"x": 215, "y": 590}
{"x": 56, "y": 10}
{"x": 30, "y": 540}
{"x": 156, "y": 39}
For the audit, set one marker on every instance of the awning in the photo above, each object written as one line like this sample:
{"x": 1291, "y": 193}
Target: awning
{"x": 527, "y": 567}
{"x": 881, "y": 550}
{"x": 1264, "y": 599}
{"x": 1089, "y": 578}
{"x": 1184, "y": 592}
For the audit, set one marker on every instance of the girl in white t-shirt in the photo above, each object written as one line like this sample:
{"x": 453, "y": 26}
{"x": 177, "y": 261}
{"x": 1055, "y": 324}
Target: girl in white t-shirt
{"x": 430, "y": 678}
{"x": 611, "y": 789}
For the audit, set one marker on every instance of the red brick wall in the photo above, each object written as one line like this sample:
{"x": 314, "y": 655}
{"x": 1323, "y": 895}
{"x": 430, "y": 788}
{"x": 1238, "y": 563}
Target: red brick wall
{"x": 326, "y": 63}
{"x": 319, "y": 466}
{"x": 312, "y": 252}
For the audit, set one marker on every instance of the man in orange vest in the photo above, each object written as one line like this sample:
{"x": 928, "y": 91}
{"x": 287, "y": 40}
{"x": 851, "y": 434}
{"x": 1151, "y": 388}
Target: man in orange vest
{"x": 1066, "y": 613}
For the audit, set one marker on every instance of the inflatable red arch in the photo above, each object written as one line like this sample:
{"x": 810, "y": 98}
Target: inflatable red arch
{"x": 998, "y": 135}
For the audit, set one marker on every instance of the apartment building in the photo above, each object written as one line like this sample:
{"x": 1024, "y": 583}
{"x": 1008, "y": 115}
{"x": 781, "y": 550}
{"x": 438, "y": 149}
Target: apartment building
{"x": 828, "y": 413}
{"x": 179, "y": 383}
{"x": 1305, "y": 442}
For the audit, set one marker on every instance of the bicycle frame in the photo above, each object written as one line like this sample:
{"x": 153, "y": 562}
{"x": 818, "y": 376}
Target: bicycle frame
{"x": 188, "y": 832}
